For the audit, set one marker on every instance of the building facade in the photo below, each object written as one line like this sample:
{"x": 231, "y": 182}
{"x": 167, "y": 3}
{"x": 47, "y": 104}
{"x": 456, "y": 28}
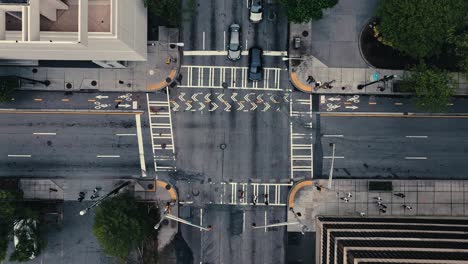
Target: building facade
{"x": 106, "y": 32}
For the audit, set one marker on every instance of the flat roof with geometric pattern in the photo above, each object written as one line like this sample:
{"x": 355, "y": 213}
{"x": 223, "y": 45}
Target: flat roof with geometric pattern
{"x": 367, "y": 240}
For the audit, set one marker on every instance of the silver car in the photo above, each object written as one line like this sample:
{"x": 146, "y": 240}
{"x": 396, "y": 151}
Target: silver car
{"x": 234, "y": 47}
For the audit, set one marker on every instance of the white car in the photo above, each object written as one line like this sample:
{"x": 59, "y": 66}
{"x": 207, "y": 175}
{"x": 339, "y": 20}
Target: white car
{"x": 256, "y": 11}
{"x": 234, "y": 47}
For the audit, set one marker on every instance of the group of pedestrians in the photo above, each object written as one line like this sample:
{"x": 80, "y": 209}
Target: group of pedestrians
{"x": 95, "y": 194}
{"x": 379, "y": 202}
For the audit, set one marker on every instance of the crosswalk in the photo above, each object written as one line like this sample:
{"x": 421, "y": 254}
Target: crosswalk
{"x": 228, "y": 77}
{"x": 257, "y": 194}
{"x": 301, "y": 147}
{"x": 162, "y": 137}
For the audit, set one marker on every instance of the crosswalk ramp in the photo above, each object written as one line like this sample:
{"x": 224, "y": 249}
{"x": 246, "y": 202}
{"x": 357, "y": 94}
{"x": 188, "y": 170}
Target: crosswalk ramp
{"x": 301, "y": 138}
{"x": 162, "y": 137}
{"x": 228, "y": 78}
{"x": 253, "y": 194}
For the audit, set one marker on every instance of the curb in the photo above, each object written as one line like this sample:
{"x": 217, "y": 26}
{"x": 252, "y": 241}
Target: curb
{"x": 298, "y": 186}
{"x": 172, "y": 191}
{"x": 165, "y": 83}
{"x": 298, "y": 84}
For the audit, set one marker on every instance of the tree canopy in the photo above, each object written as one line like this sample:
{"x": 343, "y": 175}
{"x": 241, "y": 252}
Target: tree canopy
{"x": 121, "y": 224}
{"x": 167, "y": 10}
{"x": 420, "y": 28}
{"x": 302, "y": 11}
{"x": 7, "y": 85}
{"x": 433, "y": 87}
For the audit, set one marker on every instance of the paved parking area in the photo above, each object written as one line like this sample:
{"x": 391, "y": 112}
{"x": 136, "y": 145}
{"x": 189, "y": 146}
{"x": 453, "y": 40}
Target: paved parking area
{"x": 426, "y": 197}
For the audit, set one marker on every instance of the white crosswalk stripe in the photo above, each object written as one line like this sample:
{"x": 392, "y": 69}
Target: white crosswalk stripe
{"x": 162, "y": 137}
{"x": 257, "y": 194}
{"x": 228, "y": 77}
{"x": 301, "y": 147}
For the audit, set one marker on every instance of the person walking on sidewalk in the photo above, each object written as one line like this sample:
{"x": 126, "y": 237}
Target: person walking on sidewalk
{"x": 345, "y": 199}
{"x": 401, "y": 195}
{"x": 408, "y": 207}
{"x": 310, "y": 79}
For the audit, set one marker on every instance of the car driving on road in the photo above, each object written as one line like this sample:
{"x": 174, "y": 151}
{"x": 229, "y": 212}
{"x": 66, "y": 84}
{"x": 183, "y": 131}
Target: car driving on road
{"x": 256, "y": 11}
{"x": 234, "y": 47}
{"x": 255, "y": 64}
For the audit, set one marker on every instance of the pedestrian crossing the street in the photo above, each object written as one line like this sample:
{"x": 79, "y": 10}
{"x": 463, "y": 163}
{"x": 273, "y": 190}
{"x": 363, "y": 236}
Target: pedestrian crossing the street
{"x": 301, "y": 147}
{"x": 228, "y": 77}
{"x": 162, "y": 137}
{"x": 261, "y": 194}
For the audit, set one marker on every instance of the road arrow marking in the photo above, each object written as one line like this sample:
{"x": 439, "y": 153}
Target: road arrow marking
{"x": 285, "y": 97}
{"x": 194, "y": 97}
{"x": 254, "y": 106}
{"x": 175, "y": 107}
{"x": 121, "y": 105}
{"x": 246, "y": 97}
{"x": 334, "y": 99}
{"x": 267, "y": 106}
{"x": 241, "y": 106}
{"x": 259, "y": 98}
{"x": 220, "y": 98}
{"x": 181, "y": 97}
{"x": 202, "y": 106}
{"x": 101, "y": 97}
{"x": 207, "y": 98}
{"x": 215, "y": 106}
{"x": 272, "y": 98}
{"x": 228, "y": 107}
{"x": 233, "y": 97}
{"x": 352, "y": 107}
{"x": 189, "y": 106}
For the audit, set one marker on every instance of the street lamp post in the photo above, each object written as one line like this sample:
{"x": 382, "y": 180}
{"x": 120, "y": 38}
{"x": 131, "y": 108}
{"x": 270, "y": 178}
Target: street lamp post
{"x": 180, "y": 220}
{"x": 116, "y": 190}
{"x": 291, "y": 58}
{"x": 330, "y": 177}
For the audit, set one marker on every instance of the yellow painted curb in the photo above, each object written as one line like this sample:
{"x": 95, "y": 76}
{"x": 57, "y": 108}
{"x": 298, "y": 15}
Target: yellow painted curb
{"x": 295, "y": 189}
{"x": 299, "y": 85}
{"x": 163, "y": 84}
{"x": 171, "y": 191}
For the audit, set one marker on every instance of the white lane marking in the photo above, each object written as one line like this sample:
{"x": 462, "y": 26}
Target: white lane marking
{"x": 330, "y": 157}
{"x": 201, "y": 218}
{"x": 243, "y": 221}
{"x": 108, "y": 156}
{"x": 19, "y": 156}
{"x": 333, "y": 136}
{"x": 45, "y": 134}
{"x": 246, "y": 45}
{"x": 141, "y": 152}
{"x": 265, "y": 220}
{"x": 224, "y": 41}
{"x": 416, "y": 136}
{"x": 203, "y": 40}
{"x": 125, "y": 135}
{"x": 416, "y": 158}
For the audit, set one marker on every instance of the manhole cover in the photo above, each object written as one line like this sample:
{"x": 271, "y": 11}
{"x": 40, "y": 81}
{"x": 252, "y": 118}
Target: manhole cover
{"x": 34, "y": 70}
{"x": 69, "y": 85}
{"x": 225, "y": 85}
{"x": 168, "y": 187}
{"x": 151, "y": 72}
{"x": 168, "y": 80}
{"x": 222, "y": 146}
{"x": 93, "y": 83}
{"x": 305, "y": 33}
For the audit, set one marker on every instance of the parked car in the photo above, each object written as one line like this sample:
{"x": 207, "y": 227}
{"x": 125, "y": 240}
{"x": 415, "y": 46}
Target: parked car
{"x": 255, "y": 64}
{"x": 234, "y": 47}
{"x": 256, "y": 11}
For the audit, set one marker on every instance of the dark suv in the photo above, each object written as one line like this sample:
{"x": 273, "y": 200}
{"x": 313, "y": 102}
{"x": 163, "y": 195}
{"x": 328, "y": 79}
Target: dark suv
{"x": 255, "y": 64}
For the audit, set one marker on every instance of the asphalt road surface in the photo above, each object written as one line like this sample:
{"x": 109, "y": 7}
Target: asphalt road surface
{"x": 391, "y": 147}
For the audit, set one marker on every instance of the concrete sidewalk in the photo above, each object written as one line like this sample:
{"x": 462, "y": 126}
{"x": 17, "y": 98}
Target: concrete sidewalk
{"x": 159, "y": 71}
{"x": 330, "y": 52}
{"x": 426, "y": 197}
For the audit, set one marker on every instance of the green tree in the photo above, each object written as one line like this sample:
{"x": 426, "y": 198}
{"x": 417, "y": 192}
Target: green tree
{"x": 7, "y": 85}
{"x": 420, "y": 28}
{"x": 121, "y": 225}
{"x": 302, "y": 11}
{"x": 167, "y": 10}
{"x": 8, "y": 210}
{"x": 433, "y": 87}
{"x": 29, "y": 242}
